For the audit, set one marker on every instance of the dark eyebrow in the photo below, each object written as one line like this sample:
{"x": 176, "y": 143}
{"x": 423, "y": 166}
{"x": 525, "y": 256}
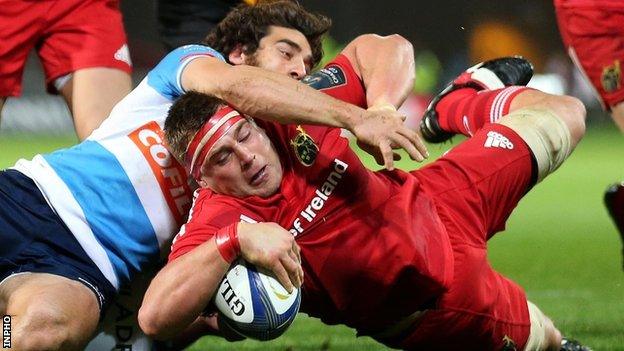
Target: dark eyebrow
{"x": 291, "y": 43}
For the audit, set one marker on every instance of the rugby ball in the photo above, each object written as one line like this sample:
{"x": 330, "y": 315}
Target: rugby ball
{"x": 253, "y": 304}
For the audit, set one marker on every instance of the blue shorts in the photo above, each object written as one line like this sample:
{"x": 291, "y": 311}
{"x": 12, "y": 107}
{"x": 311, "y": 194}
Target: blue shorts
{"x": 33, "y": 238}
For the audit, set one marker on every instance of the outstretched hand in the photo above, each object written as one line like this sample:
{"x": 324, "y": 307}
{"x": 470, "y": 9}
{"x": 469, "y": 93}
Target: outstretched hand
{"x": 381, "y": 130}
{"x": 270, "y": 246}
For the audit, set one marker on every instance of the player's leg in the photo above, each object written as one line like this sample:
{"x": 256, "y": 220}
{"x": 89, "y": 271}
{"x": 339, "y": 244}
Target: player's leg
{"x": 614, "y": 201}
{"x": 482, "y": 94}
{"x": 550, "y": 125}
{"x": 568, "y": 109}
{"x": 592, "y": 34}
{"x": 86, "y": 59}
{"x": 50, "y": 286}
{"x": 482, "y": 310}
{"x": 18, "y": 35}
{"x": 91, "y": 94}
{"x": 49, "y": 312}
{"x": 543, "y": 334}
{"x": 2, "y": 100}
{"x": 617, "y": 114}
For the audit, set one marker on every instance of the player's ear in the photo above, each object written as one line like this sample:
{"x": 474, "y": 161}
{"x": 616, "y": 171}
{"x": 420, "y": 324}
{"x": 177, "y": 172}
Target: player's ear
{"x": 237, "y": 55}
{"x": 202, "y": 183}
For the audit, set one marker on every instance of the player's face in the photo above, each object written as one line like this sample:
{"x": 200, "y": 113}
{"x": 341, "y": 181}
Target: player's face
{"x": 242, "y": 163}
{"x": 283, "y": 50}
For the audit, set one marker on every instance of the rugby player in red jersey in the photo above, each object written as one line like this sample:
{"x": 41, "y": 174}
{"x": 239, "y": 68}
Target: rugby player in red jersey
{"x": 399, "y": 256}
{"x": 593, "y": 34}
{"x": 58, "y": 304}
{"x": 82, "y": 47}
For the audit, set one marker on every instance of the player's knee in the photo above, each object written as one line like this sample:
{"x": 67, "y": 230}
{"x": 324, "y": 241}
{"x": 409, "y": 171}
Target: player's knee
{"x": 43, "y": 328}
{"x": 48, "y": 327}
{"x": 549, "y": 135}
{"x": 572, "y": 111}
{"x": 567, "y": 108}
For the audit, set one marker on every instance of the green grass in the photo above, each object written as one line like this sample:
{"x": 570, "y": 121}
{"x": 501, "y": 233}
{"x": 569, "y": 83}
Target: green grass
{"x": 559, "y": 245}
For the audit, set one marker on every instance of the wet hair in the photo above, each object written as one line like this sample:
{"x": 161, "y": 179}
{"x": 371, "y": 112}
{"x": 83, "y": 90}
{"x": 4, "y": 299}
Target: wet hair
{"x": 247, "y": 25}
{"x": 186, "y": 117}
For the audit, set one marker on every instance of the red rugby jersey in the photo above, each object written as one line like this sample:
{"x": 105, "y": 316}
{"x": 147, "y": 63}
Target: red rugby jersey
{"x": 373, "y": 247}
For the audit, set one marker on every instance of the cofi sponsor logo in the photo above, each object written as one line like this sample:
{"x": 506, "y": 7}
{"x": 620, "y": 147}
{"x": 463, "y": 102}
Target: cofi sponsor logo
{"x": 170, "y": 174}
{"x": 6, "y": 332}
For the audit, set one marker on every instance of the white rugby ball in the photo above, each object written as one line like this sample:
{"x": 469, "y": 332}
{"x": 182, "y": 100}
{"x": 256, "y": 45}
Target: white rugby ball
{"x": 254, "y": 304}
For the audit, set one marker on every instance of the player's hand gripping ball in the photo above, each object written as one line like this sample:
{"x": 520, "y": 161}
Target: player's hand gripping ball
{"x": 254, "y": 304}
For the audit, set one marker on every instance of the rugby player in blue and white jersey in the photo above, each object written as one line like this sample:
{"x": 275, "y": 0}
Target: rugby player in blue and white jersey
{"x": 78, "y": 224}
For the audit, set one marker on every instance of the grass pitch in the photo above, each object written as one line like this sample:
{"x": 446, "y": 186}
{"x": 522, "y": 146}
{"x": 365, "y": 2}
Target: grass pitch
{"x": 559, "y": 245}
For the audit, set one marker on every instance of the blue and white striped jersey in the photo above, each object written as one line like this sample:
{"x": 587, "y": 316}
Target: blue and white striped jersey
{"x": 120, "y": 191}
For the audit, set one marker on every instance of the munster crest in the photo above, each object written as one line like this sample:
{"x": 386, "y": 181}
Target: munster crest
{"x": 508, "y": 344}
{"x": 305, "y": 148}
{"x": 611, "y": 77}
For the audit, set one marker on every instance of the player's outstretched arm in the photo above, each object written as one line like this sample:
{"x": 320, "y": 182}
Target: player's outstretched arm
{"x": 184, "y": 287}
{"x": 276, "y": 97}
{"x": 180, "y": 291}
{"x": 267, "y": 95}
{"x": 386, "y": 66}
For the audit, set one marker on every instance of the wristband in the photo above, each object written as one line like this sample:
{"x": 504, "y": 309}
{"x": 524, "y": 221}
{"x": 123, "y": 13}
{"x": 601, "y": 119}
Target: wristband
{"x": 227, "y": 242}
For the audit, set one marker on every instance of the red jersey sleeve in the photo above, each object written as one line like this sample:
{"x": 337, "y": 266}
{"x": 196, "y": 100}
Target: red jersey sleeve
{"x": 339, "y": 80}
{"x": 206, "y": 218}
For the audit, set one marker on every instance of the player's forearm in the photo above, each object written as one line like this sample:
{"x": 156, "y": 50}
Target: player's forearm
{"x": 181, "y": 290}
{"x": 386, "y": 65}
{"x": 270, "y": 96}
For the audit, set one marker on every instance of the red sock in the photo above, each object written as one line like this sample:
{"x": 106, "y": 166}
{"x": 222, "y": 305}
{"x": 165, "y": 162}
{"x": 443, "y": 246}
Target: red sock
{"x": 466, "y": 110}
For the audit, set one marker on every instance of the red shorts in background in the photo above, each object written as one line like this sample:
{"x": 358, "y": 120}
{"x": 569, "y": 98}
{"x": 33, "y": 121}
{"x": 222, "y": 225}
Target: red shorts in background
{"x": 593, "y": 33}
{"x": 475, "y": 187}
{"x": 67, "y": 34}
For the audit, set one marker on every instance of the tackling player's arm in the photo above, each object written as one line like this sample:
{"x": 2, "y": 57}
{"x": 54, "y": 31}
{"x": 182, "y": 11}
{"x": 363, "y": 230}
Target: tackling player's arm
{"x": 185, "y": 286}
{"x": 386, "y": 67}
{"x": 268, "y": 95}
{"x": 276, "y": 97}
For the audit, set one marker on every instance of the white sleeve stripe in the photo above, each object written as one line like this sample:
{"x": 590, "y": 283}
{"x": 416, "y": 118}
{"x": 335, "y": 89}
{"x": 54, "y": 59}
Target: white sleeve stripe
{"x": 183, "y": 65}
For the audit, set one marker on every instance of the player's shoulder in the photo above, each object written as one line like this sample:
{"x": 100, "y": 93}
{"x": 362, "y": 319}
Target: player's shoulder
{"x": 166, "y": 77}
{"x": 186, "y": 51}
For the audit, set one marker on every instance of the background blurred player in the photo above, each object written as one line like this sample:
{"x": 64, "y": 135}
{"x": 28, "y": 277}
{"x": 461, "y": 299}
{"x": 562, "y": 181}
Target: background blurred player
{"x": 183, "y": 22}
{"x": 593, "y": 34}
{"x": 415, "y": 241}
{"x": 107, "y": 206}
{"x": 82, "y": 46}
